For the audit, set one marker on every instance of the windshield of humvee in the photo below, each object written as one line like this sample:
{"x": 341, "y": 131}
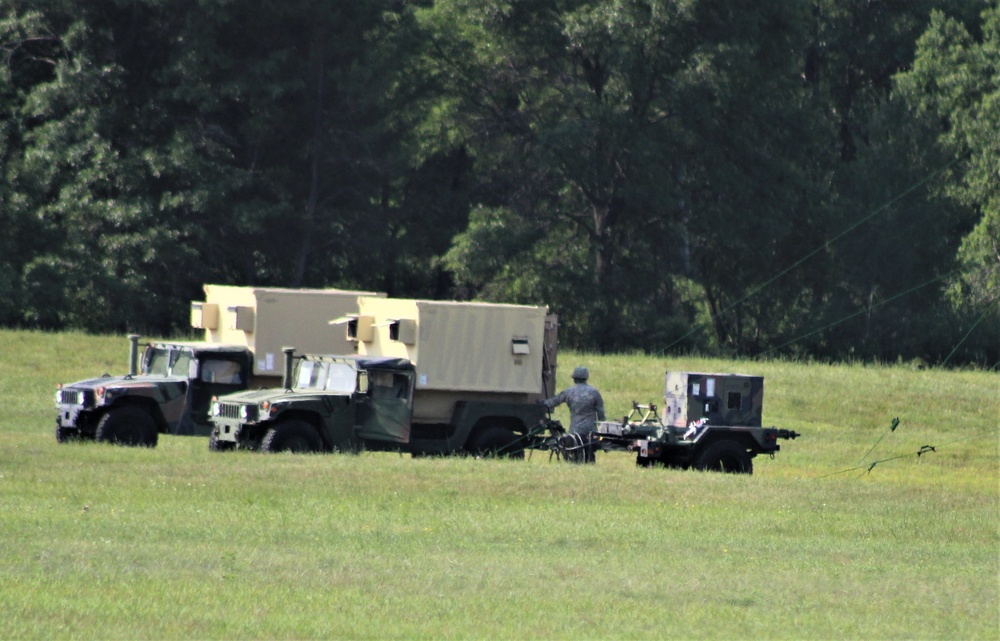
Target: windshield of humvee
{"x": 168, "y": 361}
{"x": 332, "y": 376}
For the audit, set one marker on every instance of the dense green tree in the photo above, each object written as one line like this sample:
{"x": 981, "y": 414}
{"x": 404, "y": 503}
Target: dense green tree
{"x": 167, "y": 144}
{"x": 623, "y": 147}
{"x": 956, "y": 79}
{"x": 662, "y": 173}
{"x": 890, "y": 237}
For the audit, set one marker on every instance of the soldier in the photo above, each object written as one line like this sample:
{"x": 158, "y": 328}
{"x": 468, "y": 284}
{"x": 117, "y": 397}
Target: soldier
{"x": 586, "y": 407}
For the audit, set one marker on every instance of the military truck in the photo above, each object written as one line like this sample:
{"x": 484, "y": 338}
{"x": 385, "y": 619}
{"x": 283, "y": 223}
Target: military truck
{"x": 169, "y": 393}
{"x": 709, "y": 422}
{"x": 429, "y": 377}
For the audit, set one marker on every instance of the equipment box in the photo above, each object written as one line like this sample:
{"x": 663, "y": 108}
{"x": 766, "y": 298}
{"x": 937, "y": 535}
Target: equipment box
{"x": 267, "y": 319}
{"x": 485, "y": 347}
{"x": 722, "y": 399}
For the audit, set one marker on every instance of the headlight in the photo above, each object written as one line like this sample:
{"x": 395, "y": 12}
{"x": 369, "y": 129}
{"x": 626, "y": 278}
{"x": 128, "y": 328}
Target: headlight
{"x": 244, "y": 412}
{"x": 216, "y": 409}
{"x": 270, "y": 410}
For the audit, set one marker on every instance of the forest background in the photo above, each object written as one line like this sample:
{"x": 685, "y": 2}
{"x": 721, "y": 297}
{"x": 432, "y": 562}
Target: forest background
{"x": 814, "y": 179}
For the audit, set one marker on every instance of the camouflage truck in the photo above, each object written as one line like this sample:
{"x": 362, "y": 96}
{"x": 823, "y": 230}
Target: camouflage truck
{"x": 430, "y": 377}
{"x": 168, "y": 393}
{"x": 709, "y": 422}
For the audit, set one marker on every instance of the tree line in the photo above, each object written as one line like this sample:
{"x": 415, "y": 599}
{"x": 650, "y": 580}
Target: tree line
{"x": 808, "y": 179}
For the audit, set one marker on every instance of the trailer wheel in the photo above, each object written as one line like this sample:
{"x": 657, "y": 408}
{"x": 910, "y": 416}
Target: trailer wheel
{"x": 215, "y": 445}
{"x": 499, "y": 442}
{"x": 725, "y": 456}
{"x": 293, "y": 436}
{"x": 127, "y": 426}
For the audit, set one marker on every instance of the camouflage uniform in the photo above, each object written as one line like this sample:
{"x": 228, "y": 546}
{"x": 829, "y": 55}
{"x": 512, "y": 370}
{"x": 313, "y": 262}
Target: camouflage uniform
{"x": 586, "y": 406}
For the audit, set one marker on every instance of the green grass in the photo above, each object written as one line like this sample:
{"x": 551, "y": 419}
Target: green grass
{"x": 180, "y": 542}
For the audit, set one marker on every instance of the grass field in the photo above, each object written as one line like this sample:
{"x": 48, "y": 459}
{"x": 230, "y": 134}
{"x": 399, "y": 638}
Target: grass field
{"x": 179, "y": 542}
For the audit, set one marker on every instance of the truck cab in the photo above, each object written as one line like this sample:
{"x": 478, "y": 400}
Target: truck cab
{"x": 168, "y": 392}
{"x": 328, "y": 403}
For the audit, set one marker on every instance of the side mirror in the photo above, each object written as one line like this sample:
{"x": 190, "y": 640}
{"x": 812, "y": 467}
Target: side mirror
{"x": 364, "y": 383}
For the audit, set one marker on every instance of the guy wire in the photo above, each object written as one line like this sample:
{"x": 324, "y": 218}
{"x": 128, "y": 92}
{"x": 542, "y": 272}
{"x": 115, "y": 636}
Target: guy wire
{"x": 767, "y": 283}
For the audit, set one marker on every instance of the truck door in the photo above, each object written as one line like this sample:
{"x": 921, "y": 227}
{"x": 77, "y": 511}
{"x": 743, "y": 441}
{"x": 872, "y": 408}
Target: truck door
{"x": 217, "y": 375}
{"x": 388, "y": 409}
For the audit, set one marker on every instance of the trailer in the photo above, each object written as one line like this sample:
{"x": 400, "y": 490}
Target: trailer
{"x": 708, "y": 422}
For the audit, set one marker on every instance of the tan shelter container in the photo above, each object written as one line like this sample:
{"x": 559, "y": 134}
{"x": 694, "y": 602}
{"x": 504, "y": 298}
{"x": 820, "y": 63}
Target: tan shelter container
{"x": 266, "y": 319}
{"x": 461, "y": 351}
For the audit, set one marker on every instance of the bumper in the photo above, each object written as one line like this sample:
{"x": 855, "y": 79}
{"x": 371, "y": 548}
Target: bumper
{"x": 227, "y": 430}
{"x": 69, "y": 415}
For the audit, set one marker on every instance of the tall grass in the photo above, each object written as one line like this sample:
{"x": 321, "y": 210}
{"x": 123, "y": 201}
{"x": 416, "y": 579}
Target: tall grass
{"x": 180, "y": 542}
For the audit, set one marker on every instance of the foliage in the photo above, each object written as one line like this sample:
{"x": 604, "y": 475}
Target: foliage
{"x": 956, "y": 79}
{"x": 813, "y": 179}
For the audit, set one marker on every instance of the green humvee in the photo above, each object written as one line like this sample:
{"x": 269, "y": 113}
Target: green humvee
{"x": 169, "y": 394}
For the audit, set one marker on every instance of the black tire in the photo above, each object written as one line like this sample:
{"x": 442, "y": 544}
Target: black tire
{"x": 293, "y": 436}
{"x": 131, "y": 426}
{"x": 644, "y": 461}
{"x": 215, "y": 445}
{"x": 725, "y": 456}
{"x": 500, "y": 442}
{"x": 66, "y": 434}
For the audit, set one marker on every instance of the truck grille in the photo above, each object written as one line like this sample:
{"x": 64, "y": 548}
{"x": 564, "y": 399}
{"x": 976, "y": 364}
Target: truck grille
{"x": 238, "y": 411}
{"x": 75, "y": 397}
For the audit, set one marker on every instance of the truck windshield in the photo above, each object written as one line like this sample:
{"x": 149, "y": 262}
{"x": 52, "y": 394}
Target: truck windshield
{"x": 168, "y": 361}
{"x": 332, "y": 376}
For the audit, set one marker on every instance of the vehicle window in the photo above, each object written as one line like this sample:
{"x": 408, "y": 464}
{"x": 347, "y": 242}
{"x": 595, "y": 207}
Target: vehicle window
{"x": 313, "y": 375}
{"x": 389, "y": 385}
{"x": 158, "y": 362}
{"x": 181, "y": 364}
{"x": 342, "y": 378}
{"x": 221, "y": 371}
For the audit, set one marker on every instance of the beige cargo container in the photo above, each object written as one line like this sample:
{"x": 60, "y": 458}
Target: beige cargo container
{"x": 461, "y": 351}
{"x": 265, "y": 319}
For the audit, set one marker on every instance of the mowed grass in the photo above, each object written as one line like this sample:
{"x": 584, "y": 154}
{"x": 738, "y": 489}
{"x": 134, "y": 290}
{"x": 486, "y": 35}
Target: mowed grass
{"x": 180, "y": 542}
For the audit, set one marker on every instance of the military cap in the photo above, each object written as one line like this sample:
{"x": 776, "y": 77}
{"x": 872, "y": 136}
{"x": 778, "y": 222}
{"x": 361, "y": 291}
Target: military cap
{"x": 581, "y": 374}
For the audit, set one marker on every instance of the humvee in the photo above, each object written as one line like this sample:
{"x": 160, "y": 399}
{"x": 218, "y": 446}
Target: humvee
{"x": 169, "y": 392}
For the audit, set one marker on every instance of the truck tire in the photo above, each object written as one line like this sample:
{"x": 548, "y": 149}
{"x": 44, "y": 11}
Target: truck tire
{"x": 66, "y": 434}
{"x": 127, "y": 426}
{"x": 725, "y": 456}
{"x": 215, "y": 445}
{"x": 498, "y": 442}
{"x": 293, "y": 436}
